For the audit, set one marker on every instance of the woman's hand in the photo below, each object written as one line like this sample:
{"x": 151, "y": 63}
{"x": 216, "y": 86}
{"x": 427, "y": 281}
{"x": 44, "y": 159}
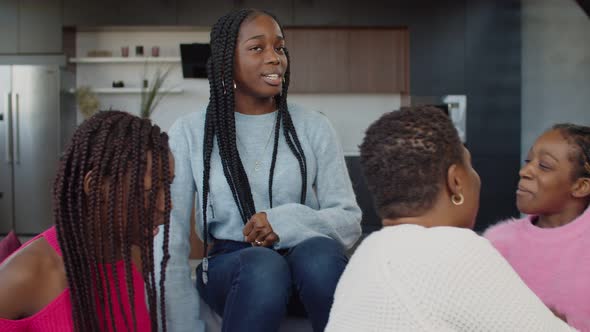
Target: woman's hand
{"x": 258, "y": 231}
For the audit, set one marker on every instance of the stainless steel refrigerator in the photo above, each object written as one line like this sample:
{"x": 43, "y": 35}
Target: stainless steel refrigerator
{"x": 29, "y": 146}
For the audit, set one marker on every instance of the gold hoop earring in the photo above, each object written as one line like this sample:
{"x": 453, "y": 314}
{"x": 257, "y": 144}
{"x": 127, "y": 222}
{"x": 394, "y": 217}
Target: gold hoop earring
{"x": 457, "y": 199}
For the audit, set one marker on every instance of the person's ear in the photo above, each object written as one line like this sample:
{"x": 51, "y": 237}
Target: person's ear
{"x": 88, "y": 178}
{"x": 581, "y": 188}
{"x": 454, "y": 181}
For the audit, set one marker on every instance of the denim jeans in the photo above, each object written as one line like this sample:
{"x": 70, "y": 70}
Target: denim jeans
{"x": 253, "y": 288}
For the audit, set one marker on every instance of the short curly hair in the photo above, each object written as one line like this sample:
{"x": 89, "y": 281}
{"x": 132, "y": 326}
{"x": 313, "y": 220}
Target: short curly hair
{"x": 404, "y": 158}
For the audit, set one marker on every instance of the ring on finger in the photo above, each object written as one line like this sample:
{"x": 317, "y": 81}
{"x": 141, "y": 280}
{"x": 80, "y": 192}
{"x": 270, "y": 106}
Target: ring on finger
{"x": 258, "y": 242}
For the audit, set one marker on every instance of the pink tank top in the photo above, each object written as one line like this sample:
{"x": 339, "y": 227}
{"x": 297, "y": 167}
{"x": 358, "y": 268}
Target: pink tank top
{"x": 57, "y": 315}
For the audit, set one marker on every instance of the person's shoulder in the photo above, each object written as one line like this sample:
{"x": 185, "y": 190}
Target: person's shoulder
{"x": 25, "y": 273}
{"x": 442, "y": 241}
{"x": 371, "y": 242}
{"x": 27, "y": 263}
{"x": 413, "y": 247}
{"x": 191, "y": 120}
{"x": 452, "y": 238}
{"x": 504, "y": 231}
{"x": 450, "y": 248}
{"x": 312, "y": 124}
{"x": 187, "y": 127}
{"x": 300, "y": 113}
{"x": 419, "y": 239}
{"x": 436, "y": 235}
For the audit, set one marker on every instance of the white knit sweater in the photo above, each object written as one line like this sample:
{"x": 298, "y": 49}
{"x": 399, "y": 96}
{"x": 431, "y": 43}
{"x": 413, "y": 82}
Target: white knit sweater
{"x": 411, "y": 278}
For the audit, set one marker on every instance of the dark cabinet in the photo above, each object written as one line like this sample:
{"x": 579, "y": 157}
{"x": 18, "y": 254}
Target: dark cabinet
{"x": 321, "y": 13}
{"x": 30, "y": 27}
{"x": 379, "y": 13}
{"x": 349, "y": 60}
{"x": 282, "y": 9}
{"x": 379, "y": 60}
{"x": 319, "y": 60}
{"x": 202, "y": 12}
{"x": 119, "y": 12}
{"x": 9, "y": 26}
{"x": 40, "y": 26}
{"x": 206, "y": 13}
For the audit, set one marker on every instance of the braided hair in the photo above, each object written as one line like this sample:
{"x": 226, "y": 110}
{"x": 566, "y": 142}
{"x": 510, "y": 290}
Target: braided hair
{"x": 92, "y": 231}
{"x": 220, "y": 121}
{"x": 579, "y": 137}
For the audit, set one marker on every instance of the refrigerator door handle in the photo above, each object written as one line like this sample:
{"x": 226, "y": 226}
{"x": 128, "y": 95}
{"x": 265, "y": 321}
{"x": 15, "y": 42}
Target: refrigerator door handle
{"x": 16, "y": 130}
{"x": 8, "y": 127}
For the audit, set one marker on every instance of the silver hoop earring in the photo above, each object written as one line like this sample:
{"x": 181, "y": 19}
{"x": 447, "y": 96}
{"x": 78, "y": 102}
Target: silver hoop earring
{"x": 457, "y": 199}
{"x": 235, "y": 86}
{"x": 223, "y": 86}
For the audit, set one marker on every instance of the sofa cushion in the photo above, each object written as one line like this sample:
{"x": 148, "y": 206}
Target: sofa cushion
{"x": 8, "y": 245}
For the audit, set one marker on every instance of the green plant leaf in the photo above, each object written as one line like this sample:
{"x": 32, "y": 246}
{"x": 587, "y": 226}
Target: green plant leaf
{"x": 151, "y": 96}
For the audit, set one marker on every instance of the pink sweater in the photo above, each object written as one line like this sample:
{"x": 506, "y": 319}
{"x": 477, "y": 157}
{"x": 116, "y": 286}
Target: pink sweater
{"x": 57, "y": 316}
{"x": 554, "y": 263}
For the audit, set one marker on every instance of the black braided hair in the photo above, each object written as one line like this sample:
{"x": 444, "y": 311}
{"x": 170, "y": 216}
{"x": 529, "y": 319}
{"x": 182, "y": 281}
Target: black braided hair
{"x": 91, "y": 229}
{"x": 579, "y": 137}
{"x": 220, "y": 120}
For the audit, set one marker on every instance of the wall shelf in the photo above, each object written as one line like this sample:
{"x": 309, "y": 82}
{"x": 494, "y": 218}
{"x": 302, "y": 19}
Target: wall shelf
{"x": 129, "y": 91}
{"x": 125, "y": 60}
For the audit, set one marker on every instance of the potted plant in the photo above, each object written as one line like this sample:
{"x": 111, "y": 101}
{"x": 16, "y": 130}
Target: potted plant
{"x": 87, "y": 101}
{"x": 152, "y": 94}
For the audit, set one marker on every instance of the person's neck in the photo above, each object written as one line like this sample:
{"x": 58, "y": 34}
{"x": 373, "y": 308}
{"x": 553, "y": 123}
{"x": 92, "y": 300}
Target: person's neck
{"x": 254, "y": 106}
{"x": 562, "y": 217}
{"x": 438, "y": 215}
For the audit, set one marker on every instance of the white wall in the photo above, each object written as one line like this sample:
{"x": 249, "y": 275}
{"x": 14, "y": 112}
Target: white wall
{"x": 555, "y": 66}
{"x": 196, "y": 91}
{"x": 350, "y": 114}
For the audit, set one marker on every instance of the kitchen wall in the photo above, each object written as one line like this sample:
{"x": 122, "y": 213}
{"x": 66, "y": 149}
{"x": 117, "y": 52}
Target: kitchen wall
{"x": 100, "y": 75}
{"x": 470, "y": 48}
{"x": 503, "y": 55}
{"x": 350, "y": 113}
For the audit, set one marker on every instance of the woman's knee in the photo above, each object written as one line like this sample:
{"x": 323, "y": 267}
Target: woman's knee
{"x": 318, "y": 261}
{"x": 263, "y": 269}
{"x": 319, "y": 249}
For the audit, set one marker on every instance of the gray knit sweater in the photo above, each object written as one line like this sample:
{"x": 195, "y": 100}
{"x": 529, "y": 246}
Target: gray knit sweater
{"x": 330, "y": 209}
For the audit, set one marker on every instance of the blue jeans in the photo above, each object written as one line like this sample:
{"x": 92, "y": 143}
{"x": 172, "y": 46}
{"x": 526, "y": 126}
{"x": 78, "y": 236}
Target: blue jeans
{"x": 253, "y": 288}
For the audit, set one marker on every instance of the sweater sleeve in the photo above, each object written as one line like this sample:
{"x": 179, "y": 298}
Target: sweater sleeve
{"x": 479, "y": 291}
{"x": 182, "y": 302}
{"x": 338, "y": 216}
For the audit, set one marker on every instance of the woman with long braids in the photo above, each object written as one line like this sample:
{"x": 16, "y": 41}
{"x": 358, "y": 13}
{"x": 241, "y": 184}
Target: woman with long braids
{"x": 273, "y": 196}
{"x": 94, "y": 270}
